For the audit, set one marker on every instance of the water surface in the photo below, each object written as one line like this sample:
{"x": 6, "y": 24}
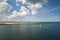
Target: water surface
{"x": 30, "y": 31}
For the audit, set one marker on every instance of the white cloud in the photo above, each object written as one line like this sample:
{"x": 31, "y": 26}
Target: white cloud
{"x": 34, "y": 8}
{"x": 37, "y": 1}
{"x": 14, "y": 15}
{"x": 4, "y": 8}
{"x": 23, "y": 12}
{"x": 31, "y": 8}
{"x": 54, "y": 9}
{"x": 17, "y": 4}
{"x": 48, "y": 10}
{"x": 23, "y": 1}
{"x": 2, "y": 1}
{"x": 34, "y": 12}
{"x": 32, "y": 1}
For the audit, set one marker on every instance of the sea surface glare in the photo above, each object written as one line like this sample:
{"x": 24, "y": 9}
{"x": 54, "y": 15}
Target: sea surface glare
{"x": 30, "y": 31}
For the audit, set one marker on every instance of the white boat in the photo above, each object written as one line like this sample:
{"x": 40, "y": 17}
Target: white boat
{"x": 40, "y": 26}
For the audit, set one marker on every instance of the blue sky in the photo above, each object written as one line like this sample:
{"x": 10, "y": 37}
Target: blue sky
{"x": 28, "y": 10}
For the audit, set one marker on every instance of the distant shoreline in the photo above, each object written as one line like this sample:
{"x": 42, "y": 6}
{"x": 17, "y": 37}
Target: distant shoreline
{"x": 12, "y": 22}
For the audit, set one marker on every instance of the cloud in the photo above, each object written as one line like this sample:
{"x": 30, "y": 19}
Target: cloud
{"x": 34, "y": 8}
{"x": 49, "y": 10}
{"x": 37, "y": 1}
{"x": 13, "y": 15}
{"x": 2, "y": 1}
{"x": 23, "y": 12}
{"x": 4, "y": 8}
{"x": 32, "y": 1}
{"x": 54, "y": 9}
{"x": 33, "y": 5}
{"x": 23, "y": 1}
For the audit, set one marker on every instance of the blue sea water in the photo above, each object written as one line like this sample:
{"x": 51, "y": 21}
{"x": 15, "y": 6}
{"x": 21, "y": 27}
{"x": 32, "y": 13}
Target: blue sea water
{"x": 30, "y": 31}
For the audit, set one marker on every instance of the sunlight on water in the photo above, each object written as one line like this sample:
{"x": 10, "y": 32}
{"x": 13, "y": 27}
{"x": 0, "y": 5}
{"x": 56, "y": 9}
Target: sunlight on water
{"x": 30, "y": 31}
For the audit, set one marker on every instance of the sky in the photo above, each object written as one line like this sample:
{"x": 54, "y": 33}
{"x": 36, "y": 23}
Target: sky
{"x": 30, "y": 10}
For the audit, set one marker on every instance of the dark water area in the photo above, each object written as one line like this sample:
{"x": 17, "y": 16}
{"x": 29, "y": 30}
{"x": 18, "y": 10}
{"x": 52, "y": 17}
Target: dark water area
{"x": 30, "y": 31}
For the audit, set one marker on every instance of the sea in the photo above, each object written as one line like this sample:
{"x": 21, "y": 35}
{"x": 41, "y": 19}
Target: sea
{"x": 30, "y": 31}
